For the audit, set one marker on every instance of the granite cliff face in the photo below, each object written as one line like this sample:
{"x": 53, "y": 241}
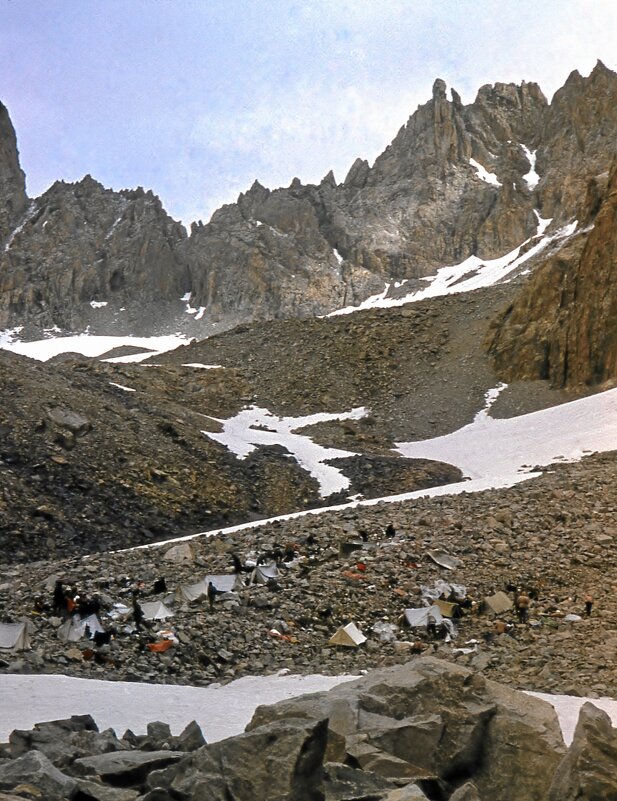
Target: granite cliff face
{"x": 561, "y": 326}
{"x": 80, "y": 243}
{"x": 13, "y": 200}
{"x": 457, "y": 180}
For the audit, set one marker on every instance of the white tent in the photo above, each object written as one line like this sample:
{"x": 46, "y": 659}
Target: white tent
{"x": 225, "y": 582}
{"x": 156, "y": 610}
{"x": 349, "y": 636}
{"x": 417, "y": 618}
{"x": 14, "y": 636}
{"x": 191, "y": 592}
{"x": 443, "y": 589}
{"x": 263, "y": 573}
{"x": 74, "y": 628}
{"x": 443, "y": 559}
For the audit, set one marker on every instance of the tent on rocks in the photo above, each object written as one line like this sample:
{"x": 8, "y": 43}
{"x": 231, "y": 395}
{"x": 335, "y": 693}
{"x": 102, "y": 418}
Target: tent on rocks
{"x": 420, "y": 618}
{"x": 14, "y": 636}
{"x": 350, "y": 636}
{"x": 76, "y": 628}
{"x": 224, "y": 583}
{"x": 155, "y": 610}
{"x": 262, "y": 574}
{"x": 191, "y": 592}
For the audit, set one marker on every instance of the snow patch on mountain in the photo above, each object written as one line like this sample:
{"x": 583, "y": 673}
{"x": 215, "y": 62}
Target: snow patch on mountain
{"x": 490, "y": 447}
{"x": 531, "y": 178}
{"x": 255, "y": 426}
{"x": 494, "y": 453}
{"x": 473, "y": 273}
{"x": 90, "y": 346}
{"x": 483, "y": 174}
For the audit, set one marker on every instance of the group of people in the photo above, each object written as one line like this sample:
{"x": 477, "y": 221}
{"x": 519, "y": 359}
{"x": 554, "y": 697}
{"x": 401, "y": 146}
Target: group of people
{"x": 66, "y": 601}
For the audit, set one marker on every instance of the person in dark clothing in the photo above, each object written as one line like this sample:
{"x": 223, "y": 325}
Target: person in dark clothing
{"x": 159, "y": 586}
{"x": 103, "y": 637}
{"x": 138, "y": 613}
{"x": 59, "y": 602}
{"x": 212, "y": 593}
{"x": 588, "y": 604}
{"x": 390, "y": 530}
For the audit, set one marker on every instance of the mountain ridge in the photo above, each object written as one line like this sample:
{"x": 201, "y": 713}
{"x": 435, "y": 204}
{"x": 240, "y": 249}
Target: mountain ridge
{"x": 308, "y": 250}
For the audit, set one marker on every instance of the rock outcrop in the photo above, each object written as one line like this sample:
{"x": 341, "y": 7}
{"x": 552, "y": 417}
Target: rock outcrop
{"x": 437, "y": 725}
{"x": 561, "y": 326}
{"x": 13, "y": 200}
{"x": 80, "y": 244}
{"x": 587, "y": 771}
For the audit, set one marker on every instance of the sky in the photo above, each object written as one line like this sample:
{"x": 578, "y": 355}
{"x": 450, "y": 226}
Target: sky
{"x": 194, "y": 99}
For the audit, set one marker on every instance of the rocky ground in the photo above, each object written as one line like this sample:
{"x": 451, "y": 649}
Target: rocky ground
{"x": 421, "y": 369}
{"x": 552, "y": 536}
{"x": 97, "y": 456}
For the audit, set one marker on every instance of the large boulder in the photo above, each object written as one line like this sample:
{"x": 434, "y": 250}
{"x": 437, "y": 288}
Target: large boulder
{"x": 274, "y": 762}
{"x": 588, "y": 772}
{"x": 35, "y": 769}
{"x": 124, "y": 768}
{"x": 446, "y": 724}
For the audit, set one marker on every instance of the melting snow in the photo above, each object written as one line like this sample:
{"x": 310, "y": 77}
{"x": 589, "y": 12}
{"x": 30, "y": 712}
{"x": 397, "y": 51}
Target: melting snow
{"x": 199, "y": 313}
{"x": 121, "y": 386}
{"x": 473, "y": 273}
{"x": 531, "y": 178}
{"x": 254, "y": 426}
{"x": 379, "y": 301}
{"x": 337, "y": 255}
{"x": 98, "y": 304}
{"x": 204, "y": 366}
{"x": 489, "y": 447}
{"x": 543, "y": 223}
{"x": 27, "y": 216}
{"x": 91, "y": 346}
{"x": 483, "y": 174}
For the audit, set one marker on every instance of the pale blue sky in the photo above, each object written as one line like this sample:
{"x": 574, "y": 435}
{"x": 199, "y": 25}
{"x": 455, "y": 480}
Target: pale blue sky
{"x": 196, "y": 98}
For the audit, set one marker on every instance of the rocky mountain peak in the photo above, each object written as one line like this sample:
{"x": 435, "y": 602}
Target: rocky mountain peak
{"x": 439, "y": 89}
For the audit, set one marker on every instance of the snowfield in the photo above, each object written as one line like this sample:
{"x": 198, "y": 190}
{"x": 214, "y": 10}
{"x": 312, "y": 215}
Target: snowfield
{"x": 91, "y": 346}
{"x": 220, "y": 711}
{"x": 255, "y": 426}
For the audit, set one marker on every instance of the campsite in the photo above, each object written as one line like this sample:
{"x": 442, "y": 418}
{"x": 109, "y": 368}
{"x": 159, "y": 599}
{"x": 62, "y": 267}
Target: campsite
{"x": 267, "y": 618}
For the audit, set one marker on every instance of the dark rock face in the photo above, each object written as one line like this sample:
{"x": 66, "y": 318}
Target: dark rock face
{"x": 456, "y": 181}
{"x": 578, "y": 140}
{"x": 13, "y": 200}
{"x": 561, "y": 326}
{"x": 80, "y": 243}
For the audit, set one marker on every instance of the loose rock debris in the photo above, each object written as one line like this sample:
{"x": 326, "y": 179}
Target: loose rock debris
{"x": 549, "y": 540}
